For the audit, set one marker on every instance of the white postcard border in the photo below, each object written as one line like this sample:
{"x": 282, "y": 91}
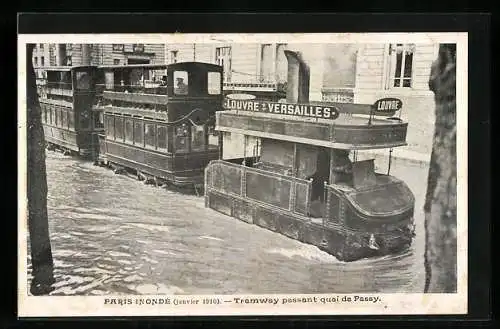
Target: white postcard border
{"x": 395, "y": 304}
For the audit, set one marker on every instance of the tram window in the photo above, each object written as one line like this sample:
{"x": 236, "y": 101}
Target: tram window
{"x": 138, "y": 134}
{"x": 109, "y": 78}
{"x": 181, "y": 139}
{"x": 149, "y": 136}
{"x": 61, "y": 117}
{"x": 56, "y": 111}
{"x": 84, "y": 120}
{"x": 170, "y": 139}
{"x": 82, "y": 80}
{"x": 51, "y": 115}
{"x": 214, "y": 83}
{"x": 213, "y": 141}
{"x": 119, "y": 128}
{"x": 198, "y": 138}
{"x": 129, "y": 131}
{"x": 162, "y": 137}
{"x": 181, "y": 82}
{"x": 45, "y": 113}
{"x": 98, "y": 120}
{"x": 71, "y": 120}
{"x": 110, "y": 127}
{"x": 64, "y": 118}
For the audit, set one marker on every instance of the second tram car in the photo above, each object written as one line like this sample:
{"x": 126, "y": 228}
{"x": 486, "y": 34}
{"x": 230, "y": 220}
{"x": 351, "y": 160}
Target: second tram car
{"x": 303, "y": 183}
{"x": 66, "y": 96}
{"x": 160, "y": 119}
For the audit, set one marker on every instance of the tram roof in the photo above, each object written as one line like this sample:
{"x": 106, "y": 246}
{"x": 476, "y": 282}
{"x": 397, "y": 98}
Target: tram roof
{"x": 157, "y": 66}
{"x": 64, "y": 68}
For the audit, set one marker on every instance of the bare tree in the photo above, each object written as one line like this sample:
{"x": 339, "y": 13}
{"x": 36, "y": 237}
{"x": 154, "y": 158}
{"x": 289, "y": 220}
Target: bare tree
{"x": 41, "y": 252}
{"x": 441, "y": 199}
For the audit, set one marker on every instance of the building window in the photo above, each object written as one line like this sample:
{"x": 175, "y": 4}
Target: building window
{"x": 36, "y": 61}
{"x": 223, "y": 58}
{"x": 42, "y": 61}
{"x": 118, "y": 47}
{"x": 173, "y": 56}
{"x": 40, "y": 46}
{"x": 69, "y": 61}
{"x": 69, "y": 46}
{"x": 116, "y": 61}
{"x": 401, "y": 65}
{"x": 138, "y": 48}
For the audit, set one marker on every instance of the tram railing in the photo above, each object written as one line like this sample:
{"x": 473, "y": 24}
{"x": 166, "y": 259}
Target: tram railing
{"x": 282, "y": 191}
{"x": 150, "y": 89}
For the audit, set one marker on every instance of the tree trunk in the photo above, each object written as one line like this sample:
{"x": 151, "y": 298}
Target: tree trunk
{"x": 41, "y": 253}
{"x": 440, "y": 204}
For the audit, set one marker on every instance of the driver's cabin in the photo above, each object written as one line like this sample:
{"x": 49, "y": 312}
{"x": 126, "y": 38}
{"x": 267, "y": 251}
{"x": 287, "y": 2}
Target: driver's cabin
{"x": 66, "y": 96}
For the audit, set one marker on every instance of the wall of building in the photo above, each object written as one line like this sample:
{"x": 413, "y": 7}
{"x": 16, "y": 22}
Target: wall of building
{"x": 245, "y": 60}
{"x": 373, "y": 82}
{"x": 340, "y": 66}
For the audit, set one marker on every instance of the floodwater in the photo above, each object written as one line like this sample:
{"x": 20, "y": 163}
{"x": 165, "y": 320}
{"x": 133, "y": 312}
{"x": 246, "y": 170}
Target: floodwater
{"x": 112, "y": 234}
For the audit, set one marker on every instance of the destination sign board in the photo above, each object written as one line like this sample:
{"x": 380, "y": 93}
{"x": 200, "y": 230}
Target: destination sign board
{"x": 302, "y": 110}
{"x": 387, "y": 106}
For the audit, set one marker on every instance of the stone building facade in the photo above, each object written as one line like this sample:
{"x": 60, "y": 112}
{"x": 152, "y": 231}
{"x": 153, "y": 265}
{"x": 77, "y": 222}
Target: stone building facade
{"x": 100, "y": 54}
{"x": 402, "y": 71}
{"x": 364, "y": 73}
{"x": 338, "y": 72}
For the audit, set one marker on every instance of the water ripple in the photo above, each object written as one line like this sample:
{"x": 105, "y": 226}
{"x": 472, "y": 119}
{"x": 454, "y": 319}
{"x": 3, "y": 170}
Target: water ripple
{"x": 111, "y": 234}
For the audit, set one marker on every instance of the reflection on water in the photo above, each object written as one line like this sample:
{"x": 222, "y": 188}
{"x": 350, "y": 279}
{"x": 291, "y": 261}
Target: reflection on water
{"x": 111, "y": 234}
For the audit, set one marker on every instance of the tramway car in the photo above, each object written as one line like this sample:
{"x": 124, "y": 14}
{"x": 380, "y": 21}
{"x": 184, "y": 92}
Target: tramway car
{"x": 160, "y": 119}
{"x": 66, "y": 96}
{"x": 302, "y": 183}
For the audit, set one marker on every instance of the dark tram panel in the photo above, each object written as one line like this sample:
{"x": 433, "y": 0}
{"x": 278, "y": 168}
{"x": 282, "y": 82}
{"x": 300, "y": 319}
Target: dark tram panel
{"x": 159, "y": 120}
{"x": 66, "y": 96}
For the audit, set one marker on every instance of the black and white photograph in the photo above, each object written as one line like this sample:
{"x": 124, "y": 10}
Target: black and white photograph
{"x": 242, "y": 174}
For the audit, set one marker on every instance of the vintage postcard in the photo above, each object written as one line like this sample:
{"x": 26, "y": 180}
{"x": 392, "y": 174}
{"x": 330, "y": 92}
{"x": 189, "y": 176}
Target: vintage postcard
{"x": 238, "y": 174}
